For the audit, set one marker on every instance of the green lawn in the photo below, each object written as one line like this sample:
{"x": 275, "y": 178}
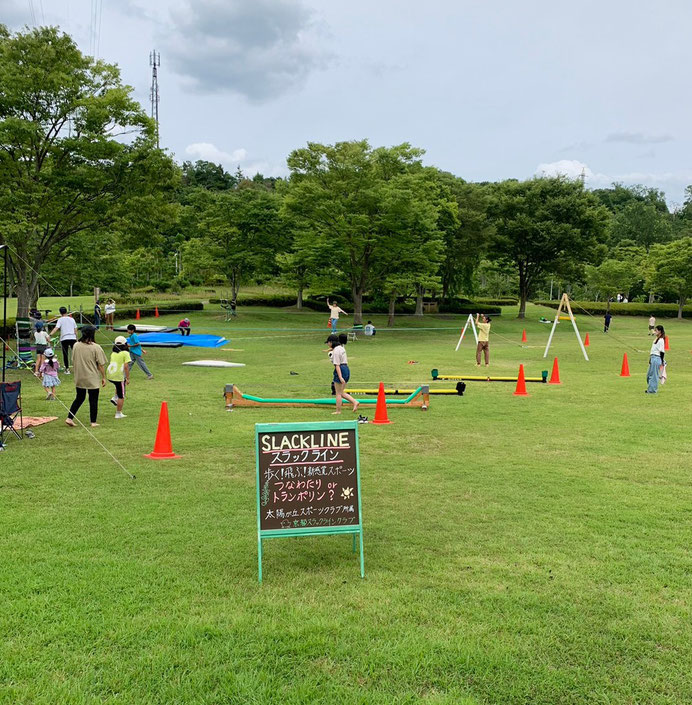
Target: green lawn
{"x": 53, "y": 303}
{"x": 517, "y": 550}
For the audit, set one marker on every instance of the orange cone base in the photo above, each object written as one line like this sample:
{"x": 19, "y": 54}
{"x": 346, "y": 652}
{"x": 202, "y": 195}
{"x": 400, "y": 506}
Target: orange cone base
{"x": 555, "y": 376}
{"x": 162, "y": 456}
{"x": 381, "y": 416}
{"x": 520, "y": 391}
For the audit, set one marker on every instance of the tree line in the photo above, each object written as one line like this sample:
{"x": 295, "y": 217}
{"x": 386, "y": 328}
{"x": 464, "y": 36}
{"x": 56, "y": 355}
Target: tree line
{"x": 87, "y": 199}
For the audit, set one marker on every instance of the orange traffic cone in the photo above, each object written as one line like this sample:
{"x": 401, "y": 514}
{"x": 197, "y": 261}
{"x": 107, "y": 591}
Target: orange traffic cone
{"x": 523, "y": 336}
{"x": 586, "y": 341}
{"x": 625, "y": 371}
{"x": 381, "y": 407}
{"x": 520, "y": 391}
{"x": 666, "y": 344}
{"x": 555, "y": 376}
{"x": 156, "y": 311}
{"x": 137, "y": 316}
{"x": 163, "y": 448}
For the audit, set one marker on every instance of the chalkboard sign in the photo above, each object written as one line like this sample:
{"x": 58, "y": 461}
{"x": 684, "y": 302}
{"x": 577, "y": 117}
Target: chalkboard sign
{"x": 308, "y": 481}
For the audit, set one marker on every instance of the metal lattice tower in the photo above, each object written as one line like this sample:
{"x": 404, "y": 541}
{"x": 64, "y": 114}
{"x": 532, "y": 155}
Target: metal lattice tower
{"x": 155, "y": 62}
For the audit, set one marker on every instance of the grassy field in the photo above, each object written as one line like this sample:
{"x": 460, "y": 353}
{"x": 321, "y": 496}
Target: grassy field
{"x": 517, "y": 550}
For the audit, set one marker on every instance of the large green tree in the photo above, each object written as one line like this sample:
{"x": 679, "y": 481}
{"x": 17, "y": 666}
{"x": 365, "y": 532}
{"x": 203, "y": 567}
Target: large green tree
{"x": 466, "y": 235}
{"x": 241, "y": 231}
{"x": 544, "y": 226}
{"x": 612, "y": 276}
{"x": 670, "y": 270}
{"x": 74, "y": 146}
{"x": 355, "y": 200}
{"x": 642, "y": 223}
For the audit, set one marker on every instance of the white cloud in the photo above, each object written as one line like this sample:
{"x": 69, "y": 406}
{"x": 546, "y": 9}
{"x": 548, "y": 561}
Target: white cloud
{"x": 231, "y": 160}
{"x": 211, "y": 153}
{"x": 574, "y": 169}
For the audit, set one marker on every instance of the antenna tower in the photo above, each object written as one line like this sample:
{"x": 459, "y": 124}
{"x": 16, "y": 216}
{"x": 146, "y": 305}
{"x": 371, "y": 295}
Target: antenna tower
{"x": 155, "y": 62}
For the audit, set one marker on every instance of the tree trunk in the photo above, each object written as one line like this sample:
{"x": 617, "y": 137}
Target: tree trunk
{"x": 681, "y": 303}
{"x": 357, "y": 305}
{"x": 419, "y": 300}
{"x": 523, "y": 296}
{"x": 24, "y": 297}
{"x": 651, "y": 297}
{"x": 299, "y": 299}
{"x": 392, "y": 306}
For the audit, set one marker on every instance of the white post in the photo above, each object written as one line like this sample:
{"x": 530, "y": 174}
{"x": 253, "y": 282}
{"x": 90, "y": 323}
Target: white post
{"x": 581, "y": 342}
{"x": 466, "y": 325}
{"x": 552, "y": 330}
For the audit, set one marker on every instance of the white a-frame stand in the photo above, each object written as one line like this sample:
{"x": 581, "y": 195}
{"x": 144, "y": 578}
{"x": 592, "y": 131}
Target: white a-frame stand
{"x": 564, "y": 301}
{"x": 466, "y": 325}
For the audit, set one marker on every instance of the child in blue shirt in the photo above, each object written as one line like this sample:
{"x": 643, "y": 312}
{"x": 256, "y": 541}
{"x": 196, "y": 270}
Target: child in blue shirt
{"x": 136, "y": 352}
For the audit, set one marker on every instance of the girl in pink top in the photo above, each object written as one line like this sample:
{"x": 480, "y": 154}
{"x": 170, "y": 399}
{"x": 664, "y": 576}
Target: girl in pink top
{"x": 49, "y": 374}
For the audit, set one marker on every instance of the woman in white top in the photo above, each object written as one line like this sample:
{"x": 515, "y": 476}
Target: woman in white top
{"x": 656, "y": 357}
{"x": 110, "y": 314}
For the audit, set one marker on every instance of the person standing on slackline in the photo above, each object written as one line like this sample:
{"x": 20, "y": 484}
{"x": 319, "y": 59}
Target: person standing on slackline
{"x": 334, "y": 312}
{"x": 483, "y": 328}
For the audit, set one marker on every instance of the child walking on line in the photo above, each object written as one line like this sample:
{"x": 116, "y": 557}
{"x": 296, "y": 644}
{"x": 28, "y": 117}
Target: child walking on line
{"x": 334, "y": 312}
{"x": 341, "y": 371}
{"x": 136, "y": 351}
{"x": 49, "y": 373}
{"x": 118, "y": 374}
{"x": 42, "y": 343}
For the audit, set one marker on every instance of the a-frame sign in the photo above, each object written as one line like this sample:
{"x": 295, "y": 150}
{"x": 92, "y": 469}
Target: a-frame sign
{"x": 466, "y": 325}
{"x": 564, "y": 302}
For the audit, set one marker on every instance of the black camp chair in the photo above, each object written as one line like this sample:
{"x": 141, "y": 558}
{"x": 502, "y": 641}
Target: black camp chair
{"x": 10, "y": 410}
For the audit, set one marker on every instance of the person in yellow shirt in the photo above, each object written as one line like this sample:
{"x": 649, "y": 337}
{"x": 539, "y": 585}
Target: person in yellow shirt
{"x": 118, "y": 374}
{"x": 483, "y": 328}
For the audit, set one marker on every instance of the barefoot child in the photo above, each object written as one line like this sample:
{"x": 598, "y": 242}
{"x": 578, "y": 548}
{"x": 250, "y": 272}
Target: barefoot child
{"x": 118, "y": 373}
{"x": 49, "y": 373}
{"x": 341, "y": 371}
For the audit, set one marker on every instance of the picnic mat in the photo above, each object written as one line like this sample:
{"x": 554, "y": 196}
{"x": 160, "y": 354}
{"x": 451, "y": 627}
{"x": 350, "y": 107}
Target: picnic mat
{"x": 30, "y": 421}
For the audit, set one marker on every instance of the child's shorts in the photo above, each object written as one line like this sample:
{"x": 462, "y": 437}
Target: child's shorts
{"x": 345, "y": 373}
{"x": 119, "y": 389}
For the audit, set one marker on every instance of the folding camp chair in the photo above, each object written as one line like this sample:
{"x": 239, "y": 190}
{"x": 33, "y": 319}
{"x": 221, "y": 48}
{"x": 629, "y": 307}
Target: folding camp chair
{"x": 10, "y": 410}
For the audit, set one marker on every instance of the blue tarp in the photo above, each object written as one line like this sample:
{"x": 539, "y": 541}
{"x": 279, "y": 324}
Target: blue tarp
{"x": 198, "y": 341}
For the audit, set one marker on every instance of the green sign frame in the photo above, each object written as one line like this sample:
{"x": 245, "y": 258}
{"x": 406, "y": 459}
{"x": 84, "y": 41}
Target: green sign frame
{"x": 356, "y": 530}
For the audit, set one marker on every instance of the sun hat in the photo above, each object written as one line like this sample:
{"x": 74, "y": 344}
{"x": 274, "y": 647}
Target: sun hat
{"x": 120, "y": 340}
{"x": 48, "y": 352}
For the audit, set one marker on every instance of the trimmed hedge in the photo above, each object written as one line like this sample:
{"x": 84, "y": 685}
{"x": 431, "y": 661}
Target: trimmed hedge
{"x": 501, "y": 301}
{"x": 598, "y": 308}
{"x": 405, "y": 307}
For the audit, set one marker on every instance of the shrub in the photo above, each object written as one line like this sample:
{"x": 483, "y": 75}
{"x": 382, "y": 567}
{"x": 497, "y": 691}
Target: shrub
{"x": 464, "y": 308}
{"x": 598, "y": 308}
{"x": 161, "y": 285}
{"x": 501, "y": 301}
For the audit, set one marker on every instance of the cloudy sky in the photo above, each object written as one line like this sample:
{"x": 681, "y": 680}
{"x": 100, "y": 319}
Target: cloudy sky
{"x": 491, "y": 89}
